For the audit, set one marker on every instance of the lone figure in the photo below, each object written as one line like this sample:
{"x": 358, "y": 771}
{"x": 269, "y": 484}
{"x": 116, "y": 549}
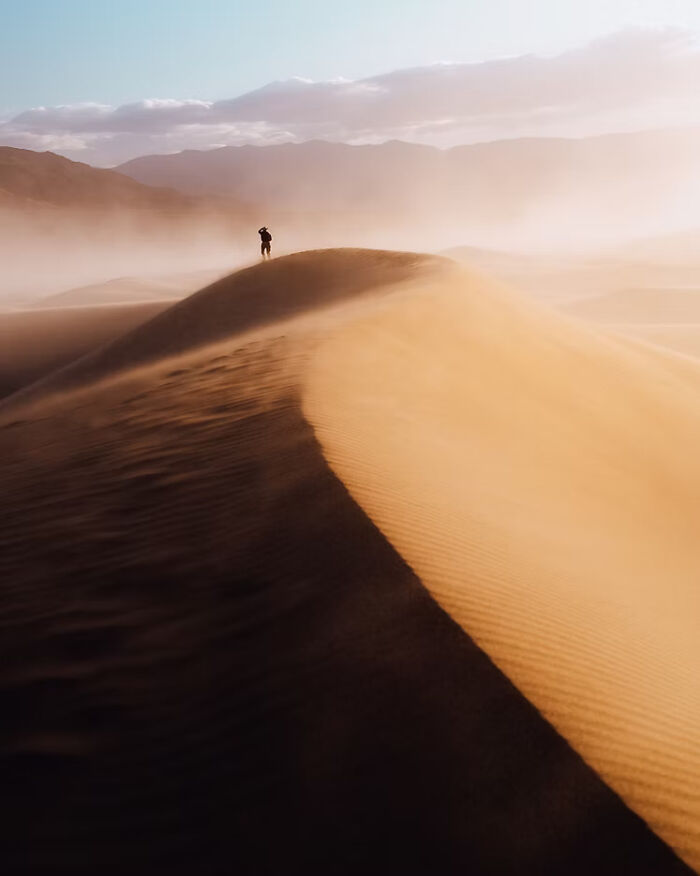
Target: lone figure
{"x": 265, "y": 239}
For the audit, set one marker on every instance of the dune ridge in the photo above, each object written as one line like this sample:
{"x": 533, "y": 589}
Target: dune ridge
{"x": 213, "y": 661}
{"x": 246, "y": 300}
{"x": 542, "y": 480}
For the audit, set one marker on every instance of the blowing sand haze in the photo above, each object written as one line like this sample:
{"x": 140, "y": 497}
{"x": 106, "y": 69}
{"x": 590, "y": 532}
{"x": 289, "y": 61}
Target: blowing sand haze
{"x": 349, "y": 428}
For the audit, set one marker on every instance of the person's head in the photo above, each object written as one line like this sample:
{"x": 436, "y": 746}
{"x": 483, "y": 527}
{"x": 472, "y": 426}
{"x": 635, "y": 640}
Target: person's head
{"x": 264, "y": 228}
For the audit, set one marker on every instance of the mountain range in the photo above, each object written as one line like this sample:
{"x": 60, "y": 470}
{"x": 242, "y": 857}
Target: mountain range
{"x": 64, "y": 224}
{"x": 618, "y": 181}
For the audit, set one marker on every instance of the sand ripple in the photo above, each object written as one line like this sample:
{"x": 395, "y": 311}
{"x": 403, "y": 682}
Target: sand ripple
{"x": 544, "y": 482}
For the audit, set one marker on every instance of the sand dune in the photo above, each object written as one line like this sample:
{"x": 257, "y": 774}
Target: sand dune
{"x": 213, "y": 662}
{"x": 123, "y": 290}
{"x": 666, "y": 317}
{"x": 632, "y": 306}
{"x": 603, "y": 277}
{"x": 647, "y": 290}
{"x": 542, "y": 479}
{"x": 680, "y": 338}
{"x": 252, "y": 298}
{"x": 36, "y": 343}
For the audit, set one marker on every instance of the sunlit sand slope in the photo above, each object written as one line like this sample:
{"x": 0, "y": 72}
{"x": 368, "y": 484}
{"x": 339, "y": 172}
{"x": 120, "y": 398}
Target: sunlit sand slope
{"x": 544, "y": 483}
{"x": 212, "y": 662}
{"x": 680, "y": 338}
{"x": 666, "y": 317}
{"x": 642, "y": 306}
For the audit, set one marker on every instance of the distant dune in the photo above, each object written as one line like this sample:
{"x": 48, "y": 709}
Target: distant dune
{"x": 36, "y": 343}
{"x": 666, "y": 317}
{"x": 681, "y": 338}
{"x": 600, "y": 274}
{"x": 642, "y": 306}
{"x": 123, "y": 290}
{"x": 647, "y": 290}
{"x": 215, "y": 662}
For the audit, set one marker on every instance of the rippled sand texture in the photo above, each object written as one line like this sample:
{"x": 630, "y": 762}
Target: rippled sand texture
{"x": 543, "y": 480}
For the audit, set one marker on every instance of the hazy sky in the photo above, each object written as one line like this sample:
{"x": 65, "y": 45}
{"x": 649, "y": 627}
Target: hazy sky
{"x": 118, "y": 51}
{"x": 104, "y": 82}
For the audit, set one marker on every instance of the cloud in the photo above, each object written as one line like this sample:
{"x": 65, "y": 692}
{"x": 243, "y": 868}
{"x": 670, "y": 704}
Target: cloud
{"x": 639, "y": 78}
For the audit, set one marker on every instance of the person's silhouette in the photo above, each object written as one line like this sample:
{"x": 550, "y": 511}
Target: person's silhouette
{"x": 265, "y": 240}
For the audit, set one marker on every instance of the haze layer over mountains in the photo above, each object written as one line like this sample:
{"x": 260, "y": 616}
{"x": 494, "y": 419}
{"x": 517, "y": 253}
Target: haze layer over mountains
{"x": 63, "y": 223}
{"x": 198, "y": 210}
{"x": 543, "y": 192}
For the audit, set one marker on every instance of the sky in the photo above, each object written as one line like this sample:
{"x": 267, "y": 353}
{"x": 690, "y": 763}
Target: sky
{"x": 117, "y": 51}
{"x": 187, "y": 56}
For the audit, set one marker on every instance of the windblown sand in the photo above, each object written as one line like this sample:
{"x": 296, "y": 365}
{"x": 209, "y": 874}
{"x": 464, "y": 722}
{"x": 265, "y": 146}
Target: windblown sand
{"x": 130, "y": 290}
{"x": 214, "y": 662}
{"x": 543, "y": 481}
{"x": 34, "y": 343}
{"x": 678, "y": 337}
{"x": 665, "y": 317}
{"x": 648, "y": 293}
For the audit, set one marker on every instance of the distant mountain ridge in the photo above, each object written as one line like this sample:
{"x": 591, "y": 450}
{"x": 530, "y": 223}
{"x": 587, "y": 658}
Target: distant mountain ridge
{"x": 503, "y": 179}
{"x": 43, "y": 178}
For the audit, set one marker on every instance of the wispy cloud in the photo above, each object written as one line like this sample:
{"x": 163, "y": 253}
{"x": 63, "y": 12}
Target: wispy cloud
{"x": 640, "y": 78}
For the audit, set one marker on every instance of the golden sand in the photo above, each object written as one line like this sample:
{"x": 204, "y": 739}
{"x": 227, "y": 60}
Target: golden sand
{"x": 543, "y": 480}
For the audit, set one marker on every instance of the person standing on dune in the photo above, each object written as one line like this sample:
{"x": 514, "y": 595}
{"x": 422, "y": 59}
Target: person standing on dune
{"x": 265, "y": 240}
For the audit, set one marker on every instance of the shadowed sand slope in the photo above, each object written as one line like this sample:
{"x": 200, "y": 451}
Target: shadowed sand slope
{"x": 35, "y": 343}
{"x": 543, "y": 481}
{"x": 213, "y": 662}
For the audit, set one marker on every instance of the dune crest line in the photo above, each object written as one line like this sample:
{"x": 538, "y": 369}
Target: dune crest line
{"x": 542, "y": 479}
